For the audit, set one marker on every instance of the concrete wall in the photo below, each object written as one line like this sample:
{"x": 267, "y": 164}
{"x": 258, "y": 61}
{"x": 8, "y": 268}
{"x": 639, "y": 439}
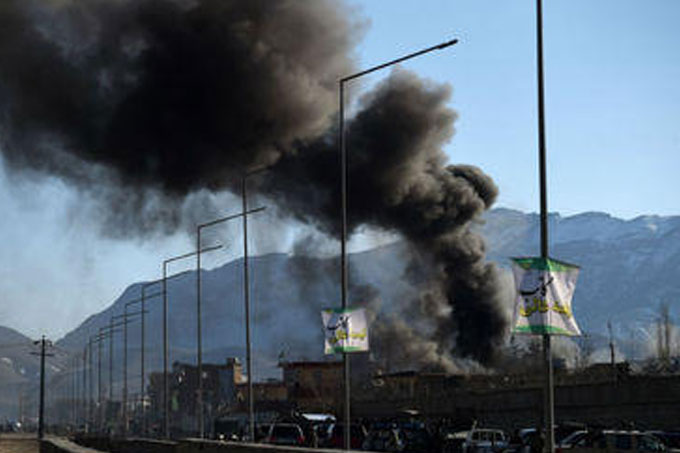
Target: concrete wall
{"x": 103, "y": 444}
{"x": 211, "y": 446}
{"x": 61, "y": 445}
{"x": 131, "y": 445}
{"x": 648, "y": 401}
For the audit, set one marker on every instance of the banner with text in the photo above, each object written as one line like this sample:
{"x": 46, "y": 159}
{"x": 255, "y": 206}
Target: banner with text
{"x": 545, "y": 288}
{"x": 345, "y": 330}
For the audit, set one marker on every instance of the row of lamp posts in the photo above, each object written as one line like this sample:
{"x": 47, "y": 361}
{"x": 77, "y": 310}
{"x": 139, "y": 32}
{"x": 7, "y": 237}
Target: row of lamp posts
{"x": 344, "y": 265}
{"x": 93, "y": 413}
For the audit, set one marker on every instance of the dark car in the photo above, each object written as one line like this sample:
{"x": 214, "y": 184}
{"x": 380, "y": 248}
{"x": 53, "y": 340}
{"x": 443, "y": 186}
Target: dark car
{"x": 386, "y": 438}
{"x": 669, "y": 438}
{"x": 336, "y": 439}
{"x": 417, "y": 439}
{"x": 285, "y": 434}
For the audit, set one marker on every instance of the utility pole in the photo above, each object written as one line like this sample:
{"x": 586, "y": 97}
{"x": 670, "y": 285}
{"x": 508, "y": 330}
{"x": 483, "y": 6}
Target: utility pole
{"x": 41, "y": 413}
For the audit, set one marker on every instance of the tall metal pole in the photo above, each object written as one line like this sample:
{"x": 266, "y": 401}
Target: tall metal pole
{"x": 90, "y": 406}
{"x": 125, "y": 374}
{"x": 141, "y": 368}
{"x": 142, "y": 389}
{"x": 99, "y": 386}
{"x": 110, "y": 401}
{"x": 142, "y": 312}
{"x": 84, "y": 393}
{"x": 246, "y": 300}
{"x": 199, "y": 343}
{"x": 41, "y": 411}
{"x": 343, "y": 203}
{"x": 142, "y": 375}
{"x": 76, "y": 390}
{"x": 549, "y": 411}
{"x": 166, "y": 400}
{"x": 71, "y": 393}
{"x": 125, "y": 321}
{"x": 166, "y": 404}
{"x": 343, "y": 266}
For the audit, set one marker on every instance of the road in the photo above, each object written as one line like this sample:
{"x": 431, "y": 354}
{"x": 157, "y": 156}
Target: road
{"x": 18, "y": 443}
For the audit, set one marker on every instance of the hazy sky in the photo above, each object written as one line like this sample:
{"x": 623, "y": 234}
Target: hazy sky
{"x": 612, "y": 109}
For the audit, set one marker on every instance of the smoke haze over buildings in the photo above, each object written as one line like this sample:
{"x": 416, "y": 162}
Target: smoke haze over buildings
{"x": 144, "y": 104}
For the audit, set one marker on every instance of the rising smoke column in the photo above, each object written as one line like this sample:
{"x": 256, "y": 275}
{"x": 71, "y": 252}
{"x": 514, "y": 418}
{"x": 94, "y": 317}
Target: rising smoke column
{"x": 143, "y": 103}
{"x": 399, "y": 182}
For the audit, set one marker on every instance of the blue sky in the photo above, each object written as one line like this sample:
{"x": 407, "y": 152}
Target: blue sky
{"x": 612, "y": 94}
{"x": 612, "y": 109}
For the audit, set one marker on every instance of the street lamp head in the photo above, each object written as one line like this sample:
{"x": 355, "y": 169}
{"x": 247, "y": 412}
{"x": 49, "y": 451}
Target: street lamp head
{"x": 447, "y": 44}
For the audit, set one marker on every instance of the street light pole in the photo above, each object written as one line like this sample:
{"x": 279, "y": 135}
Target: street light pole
{"x": 199, "y": 339}
{"x": 343, "y": 190}
{"x": 126, "y": 320}
{"x": 110, "y": 365}
{"x": 246, "y": 301}
{"x": 90, "y": 403}
{"x": 166, "y": 399}
{"x": 107, "y": 332}
{"x": 143, "y": 312}
{"x": 84, "y": 390}
{"x": 98, "y": 340}
{"x": 549, "y": 411}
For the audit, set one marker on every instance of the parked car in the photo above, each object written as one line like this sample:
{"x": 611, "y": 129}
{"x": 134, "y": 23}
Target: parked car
{"x": 669, "y": 438}
{"x": 617, "y": 442}
{"x": 285, "y": 434}
{"x": 386, "y": 438}
{"x": 571, "y": 439}
{"x": 482, "y": 440}
{"x": 336, "y": 439}
{"x": 417, "y": 439}
{"x": 452, "y": 441}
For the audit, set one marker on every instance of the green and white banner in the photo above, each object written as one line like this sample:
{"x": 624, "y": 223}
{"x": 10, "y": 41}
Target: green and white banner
{"x": 345, "y": 330}
{"x": 545, "y": 288}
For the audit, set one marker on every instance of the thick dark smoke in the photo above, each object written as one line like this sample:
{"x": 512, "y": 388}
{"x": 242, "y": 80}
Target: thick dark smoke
{"x": 143, "y": 103}
{"x": 400, "y": 182}
{"x": 173, "y": 95}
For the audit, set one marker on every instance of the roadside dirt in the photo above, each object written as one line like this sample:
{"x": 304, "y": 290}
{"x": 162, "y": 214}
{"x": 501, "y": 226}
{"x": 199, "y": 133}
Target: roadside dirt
{"x": 18, "y": 443}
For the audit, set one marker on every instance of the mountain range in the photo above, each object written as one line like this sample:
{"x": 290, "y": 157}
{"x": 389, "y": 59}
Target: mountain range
{"x": 629, "y": 269}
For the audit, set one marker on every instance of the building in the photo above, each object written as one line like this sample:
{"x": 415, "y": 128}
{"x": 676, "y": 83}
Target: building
{"x": 319, "y": 386}
{"x": 220, "y": 382}
{"x": 314, "y": 386}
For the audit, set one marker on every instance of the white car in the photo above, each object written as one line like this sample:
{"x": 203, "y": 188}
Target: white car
{"x": 485, "y": 441}
{"x": 618, "y": 442}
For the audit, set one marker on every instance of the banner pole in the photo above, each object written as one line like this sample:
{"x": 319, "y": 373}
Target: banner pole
{"x": 549, "y": 410}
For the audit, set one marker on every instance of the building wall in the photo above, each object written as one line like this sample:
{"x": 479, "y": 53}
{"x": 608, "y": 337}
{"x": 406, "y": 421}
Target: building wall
{"x": 648, "y": 401}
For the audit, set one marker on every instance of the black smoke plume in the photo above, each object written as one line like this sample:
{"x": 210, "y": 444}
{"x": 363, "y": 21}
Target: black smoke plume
{"x": 143, "y": 103}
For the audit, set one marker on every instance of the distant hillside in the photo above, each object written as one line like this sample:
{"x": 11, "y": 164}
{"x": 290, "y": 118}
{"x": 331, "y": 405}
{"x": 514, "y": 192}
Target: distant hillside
{"x": 629, "y": 268}
{"x": 19, "y": 372}
{"x": 287, "y": 294}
